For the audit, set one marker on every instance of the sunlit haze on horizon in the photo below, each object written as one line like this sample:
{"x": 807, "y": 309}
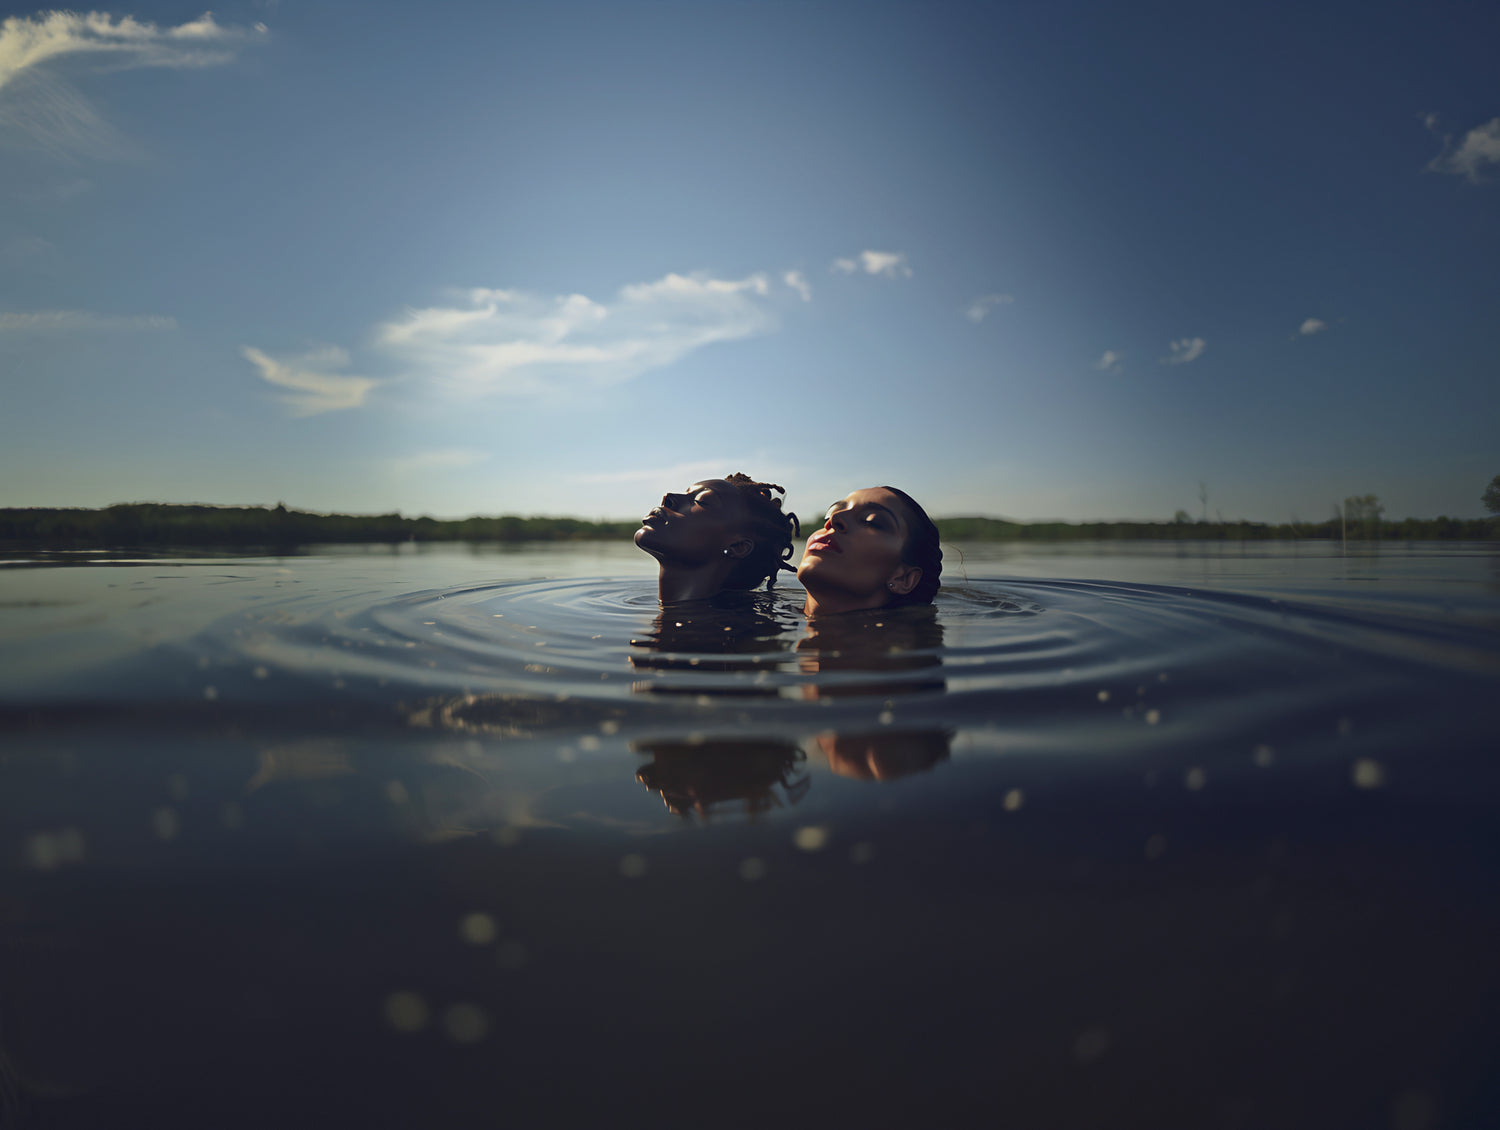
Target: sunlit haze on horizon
{"x": 1027, "y": 261}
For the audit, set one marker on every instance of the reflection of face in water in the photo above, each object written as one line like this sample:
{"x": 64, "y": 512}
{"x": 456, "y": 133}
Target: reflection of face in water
{"x": 903, "y": 647}
{"x": 883, "y": 755}
{"x": 698, "y": 777}
{"x": 723, "y": 634}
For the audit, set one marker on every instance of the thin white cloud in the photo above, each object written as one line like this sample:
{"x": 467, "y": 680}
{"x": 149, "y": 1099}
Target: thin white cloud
{"x": 1479, "y": 148}
{"x": 1109, "y": 363}
{"x": 80, "y": 320}
{"x": 442, "y": 459}
{"x": 312, "y": 389}
{"x": 52, "y": 114}
{"x": 980, "y": 308}
{"x": 798, "y": 282}
{"x": 514, "y": 343}
{"x": 890, "y": 264}
{"x": 1185, "y": 350}
{"x": 1312, "y": 326}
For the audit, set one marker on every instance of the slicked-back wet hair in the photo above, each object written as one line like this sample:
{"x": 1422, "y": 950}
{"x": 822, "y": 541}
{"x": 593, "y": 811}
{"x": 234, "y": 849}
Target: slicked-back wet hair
{"x": 772, "y": 530}
{"x": 922, "y": 550}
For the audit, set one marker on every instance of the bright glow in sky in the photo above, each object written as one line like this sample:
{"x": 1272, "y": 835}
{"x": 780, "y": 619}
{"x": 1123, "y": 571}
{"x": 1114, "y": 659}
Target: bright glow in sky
{"x": 1021, "y": 260}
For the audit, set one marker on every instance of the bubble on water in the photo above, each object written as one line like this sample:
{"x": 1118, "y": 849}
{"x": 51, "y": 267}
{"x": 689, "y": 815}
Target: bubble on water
{"x": 1102, "y": 696}
{"x": 609, "y": 726}
{"x": 164, "y": 823}
{"x": 1156, "y": 846}
{"x": 1195, "y": 778}
{"x": 1368, "y": 774}
{"x": 260, "y": 673}
{"x": 1014, "y": 800}
{"x": 1413, "y": 1110}
{"x": 211, "y": 693}
{"x": 632, "y": 866}
{"x": 704, "y": 700}
{"x": 811, "y": 837}
{"x": 478, "y": 928}
{"x": 406, "y": 1011}
{"x": 588, "y": 743}
{"x": 465, "y": 1023}
{"x": 862, "y": 852}
{"x": 752, "y": 868}
{"x": 1090, "y": 1045}
{"x": 511, "y": 955}
{"x": 1162, "y": 677}
{"x": 1153, "y": 717}
{"x": 885, "y": 718}
{"x": 1263, "y": 756}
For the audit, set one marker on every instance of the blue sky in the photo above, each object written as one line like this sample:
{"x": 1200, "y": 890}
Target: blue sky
{"x": 1023, "y": 260}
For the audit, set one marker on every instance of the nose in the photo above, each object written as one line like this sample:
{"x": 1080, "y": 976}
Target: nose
{"x": 835, "y": 523}
{"x": 667, "y": 500}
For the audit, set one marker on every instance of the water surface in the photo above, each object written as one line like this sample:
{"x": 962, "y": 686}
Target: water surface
{"x": 1202, "y": 833}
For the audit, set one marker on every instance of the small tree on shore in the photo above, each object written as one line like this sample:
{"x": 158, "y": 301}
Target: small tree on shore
{"x": 1491, "y": 497}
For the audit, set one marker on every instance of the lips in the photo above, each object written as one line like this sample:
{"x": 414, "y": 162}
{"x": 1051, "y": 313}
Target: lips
{"x": 822, "y": 543}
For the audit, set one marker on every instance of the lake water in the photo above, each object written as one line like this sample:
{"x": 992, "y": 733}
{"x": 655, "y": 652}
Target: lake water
{"x": 1117, "y": 834}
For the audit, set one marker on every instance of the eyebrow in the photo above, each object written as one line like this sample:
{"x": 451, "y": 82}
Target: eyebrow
{"x": 842, "y": 505}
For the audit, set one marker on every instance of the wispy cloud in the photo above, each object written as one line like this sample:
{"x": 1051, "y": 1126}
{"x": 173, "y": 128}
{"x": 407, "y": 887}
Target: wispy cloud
{"x": 515, "y": 343}
{"x": 1312, "y": 326}
{"x": 51, "y": 113}
{"x": 890, "y": 264}
{"x": 442, "y": 459}
{"x": 312, "y": 388}
{"x": 978, "y": 310}
{"x": 1109, "y": 363}
{"x": 80, "y": 320}
{"x": 671, "y": 477}
{"x": 1184, "y": 350}
{"x": 1479, "y": 148}
{"x": 798, "y": 282}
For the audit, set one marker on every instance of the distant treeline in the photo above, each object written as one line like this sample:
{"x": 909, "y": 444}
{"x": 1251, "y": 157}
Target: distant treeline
{"x": 1408, "y": 529}
{"x": 140, "y": 524}
{"x": 153, "y": 524}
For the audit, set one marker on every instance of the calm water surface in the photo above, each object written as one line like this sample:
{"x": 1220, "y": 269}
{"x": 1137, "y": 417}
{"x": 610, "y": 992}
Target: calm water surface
{"x": 1141, "y": 834}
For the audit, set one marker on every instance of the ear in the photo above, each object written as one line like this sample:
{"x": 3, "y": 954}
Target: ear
{"x": 739, "y": 548}
{"x": 904, "y": 579}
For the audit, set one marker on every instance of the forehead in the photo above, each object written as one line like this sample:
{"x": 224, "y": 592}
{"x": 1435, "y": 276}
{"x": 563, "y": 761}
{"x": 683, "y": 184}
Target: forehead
{"x": 718, "y": 486}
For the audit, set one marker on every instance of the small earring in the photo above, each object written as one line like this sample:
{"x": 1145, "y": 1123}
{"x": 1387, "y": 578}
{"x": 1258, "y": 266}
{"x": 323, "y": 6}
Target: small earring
{"x": 726, "y": 553}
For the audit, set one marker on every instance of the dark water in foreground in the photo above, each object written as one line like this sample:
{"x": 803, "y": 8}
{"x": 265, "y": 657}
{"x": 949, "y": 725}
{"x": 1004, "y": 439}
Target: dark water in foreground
{"x": 1173, "y": 836}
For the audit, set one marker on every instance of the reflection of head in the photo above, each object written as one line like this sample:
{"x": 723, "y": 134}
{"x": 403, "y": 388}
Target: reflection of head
{"x": 733, "y": 631}
{"x": 699, "y": 776}
{"x": 901, "y": 650}
{"x": 883, "y": 755}
{"x": 877, "y": 549}
{"x": 733, "y": 529}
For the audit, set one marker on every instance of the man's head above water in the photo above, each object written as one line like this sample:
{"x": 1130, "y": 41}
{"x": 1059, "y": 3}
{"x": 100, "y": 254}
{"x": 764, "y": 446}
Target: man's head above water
{"x": 728, "y": 533}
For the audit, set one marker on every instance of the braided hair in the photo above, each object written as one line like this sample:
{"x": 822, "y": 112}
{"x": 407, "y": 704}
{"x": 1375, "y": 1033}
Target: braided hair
{"x": 770, "y": 527}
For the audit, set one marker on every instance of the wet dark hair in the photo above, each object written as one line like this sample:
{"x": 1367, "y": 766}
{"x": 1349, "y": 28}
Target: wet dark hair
{"x": 772, "y": 529}
{"x": 922, "y": 550}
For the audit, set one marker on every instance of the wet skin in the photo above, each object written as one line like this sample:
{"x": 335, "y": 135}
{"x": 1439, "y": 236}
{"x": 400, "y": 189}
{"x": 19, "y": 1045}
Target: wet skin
{"x": 855, "y": 561}
{"x": 698, "y": 536}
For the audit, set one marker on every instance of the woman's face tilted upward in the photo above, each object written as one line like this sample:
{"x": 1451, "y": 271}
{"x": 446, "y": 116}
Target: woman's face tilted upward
{"x": 856, "y": 559}
{"x": 698, "y": 526}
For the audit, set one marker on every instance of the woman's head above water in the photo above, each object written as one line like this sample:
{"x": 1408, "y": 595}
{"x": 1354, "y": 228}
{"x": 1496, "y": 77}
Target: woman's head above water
{"x": 877, "y": 549}
{"x": 718, "y": 534}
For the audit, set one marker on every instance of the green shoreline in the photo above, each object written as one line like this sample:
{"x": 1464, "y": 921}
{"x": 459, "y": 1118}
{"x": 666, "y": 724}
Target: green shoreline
{"x": 155, "y": 524}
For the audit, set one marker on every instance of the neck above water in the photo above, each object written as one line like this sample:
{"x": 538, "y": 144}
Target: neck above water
{"x": 677, "y": 583}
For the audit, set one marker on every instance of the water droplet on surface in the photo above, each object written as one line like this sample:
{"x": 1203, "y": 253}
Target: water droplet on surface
{"x": 1195, "y": 778}
{"x": 478, "y": 929}
{"x": 1103, "y": 696}
{"x": 1014, "y": 799}
{"x": 260, "y": 673}
{"x": 885, "y": 718}
{"x": 465, "y": 1023}
{"x": 1090, "y": 1045}
{"x": 406, "y": 1012}
{"x": 811, "y": 837}
{"x": 1368, "y": 774}
{"x": 211, "y": 694}
{"x": 1153, "y": 717}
